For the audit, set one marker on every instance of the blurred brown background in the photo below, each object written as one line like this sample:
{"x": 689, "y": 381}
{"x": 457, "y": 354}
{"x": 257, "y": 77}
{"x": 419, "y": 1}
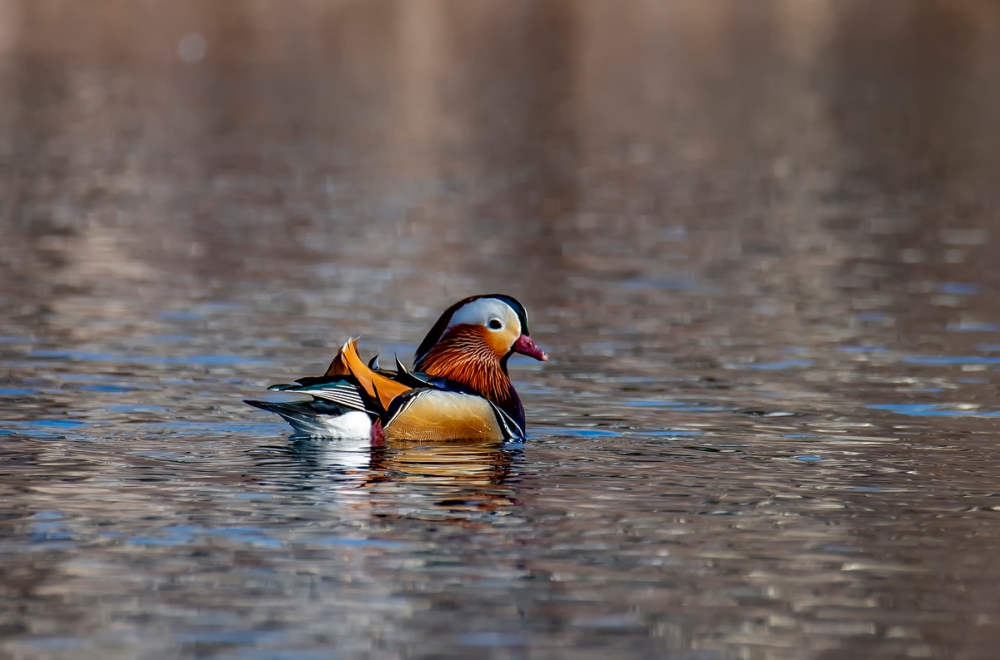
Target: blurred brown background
{"x": 500, "y": 145}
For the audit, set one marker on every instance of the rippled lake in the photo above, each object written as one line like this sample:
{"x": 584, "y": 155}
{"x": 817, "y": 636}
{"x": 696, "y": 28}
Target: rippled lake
{"x": 759, "y": 241}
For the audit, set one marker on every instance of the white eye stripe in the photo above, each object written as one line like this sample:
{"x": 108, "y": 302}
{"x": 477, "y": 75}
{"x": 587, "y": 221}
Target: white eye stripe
{"x": 484, "y": 310}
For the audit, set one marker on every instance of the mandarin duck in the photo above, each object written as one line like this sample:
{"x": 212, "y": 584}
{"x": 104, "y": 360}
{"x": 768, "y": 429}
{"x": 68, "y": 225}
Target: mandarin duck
{"x": 459, "y": 387}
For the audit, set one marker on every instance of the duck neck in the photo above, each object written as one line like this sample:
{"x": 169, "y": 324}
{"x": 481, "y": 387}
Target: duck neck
{"x": 476, "y": 366}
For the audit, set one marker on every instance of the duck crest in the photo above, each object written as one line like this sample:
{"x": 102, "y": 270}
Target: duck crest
{"x": 464, "y": 356}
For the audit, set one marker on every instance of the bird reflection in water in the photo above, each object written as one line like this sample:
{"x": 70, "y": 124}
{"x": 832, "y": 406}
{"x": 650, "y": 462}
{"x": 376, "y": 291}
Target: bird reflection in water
{"x": 457, "y": 476}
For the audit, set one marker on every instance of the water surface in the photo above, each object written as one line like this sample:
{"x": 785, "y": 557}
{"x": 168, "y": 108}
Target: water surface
{"x": 756, "y": 239}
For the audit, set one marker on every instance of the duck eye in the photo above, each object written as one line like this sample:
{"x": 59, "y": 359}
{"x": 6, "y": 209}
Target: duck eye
{"x": 495, "y": 324}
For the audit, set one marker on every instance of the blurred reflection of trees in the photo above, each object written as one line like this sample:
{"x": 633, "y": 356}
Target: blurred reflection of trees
{"x": 418, "y": 152}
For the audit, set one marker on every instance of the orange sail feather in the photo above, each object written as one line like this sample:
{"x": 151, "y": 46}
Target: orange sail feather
{"x": 377, "y": 386}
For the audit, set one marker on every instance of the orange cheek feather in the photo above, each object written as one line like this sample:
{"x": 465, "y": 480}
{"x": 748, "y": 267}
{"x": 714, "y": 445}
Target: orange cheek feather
{"x": 500, "y": 342}
{"x": 471, "y": 355}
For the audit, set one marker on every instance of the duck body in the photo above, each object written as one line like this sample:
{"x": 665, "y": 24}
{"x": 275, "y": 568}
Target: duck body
{"x": 460, "y": 388}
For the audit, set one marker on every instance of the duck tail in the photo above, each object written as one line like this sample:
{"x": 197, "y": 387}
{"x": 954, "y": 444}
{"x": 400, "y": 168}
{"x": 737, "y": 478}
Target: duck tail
{"x": 319, "y": 419}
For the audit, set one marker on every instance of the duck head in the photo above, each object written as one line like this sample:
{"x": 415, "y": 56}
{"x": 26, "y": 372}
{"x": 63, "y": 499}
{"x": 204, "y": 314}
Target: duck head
{"x": 472, "y": 341}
